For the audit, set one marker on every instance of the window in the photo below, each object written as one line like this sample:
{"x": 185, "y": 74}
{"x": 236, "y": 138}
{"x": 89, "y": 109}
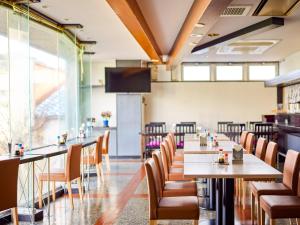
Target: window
{"x": 262, "y": 72}
{"x": 230, "y": 72}
{"x": 196, "y": 73}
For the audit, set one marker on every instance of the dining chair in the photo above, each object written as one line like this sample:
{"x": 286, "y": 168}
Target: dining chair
{"x": 287, "y": 187}
{"x": 280, "y": 207}
{"x": 243, "y": 138}
{"x": 105, "y": 149}
{"x": 168, "y": 208}
{"x": 9, "y": 189}
{"x": 170, "y": 189}
{"x": 249, "y": 143}
{"x": 171, "y": 173}
{"x": 260, "y": 152}
{"x": 178, "y": 154}
{"x": 173, "y": 161}
{"x": 95, "y": 159}
{"x": 222, "y": 126}
{"x": 261, "y": 147}
{"x": 71, "y": 172}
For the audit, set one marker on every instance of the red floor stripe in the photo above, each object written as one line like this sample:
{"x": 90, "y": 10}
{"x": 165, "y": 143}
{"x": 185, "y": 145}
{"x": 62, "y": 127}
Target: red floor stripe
{"x": 110, "y": 216}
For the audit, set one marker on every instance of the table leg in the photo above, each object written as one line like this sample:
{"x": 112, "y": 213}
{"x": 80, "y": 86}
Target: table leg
{"x": 208, "y": 200}
{"x": 33, "y": 198}
{"x": 219, "y": 201}
{"x": 228, "y": 201}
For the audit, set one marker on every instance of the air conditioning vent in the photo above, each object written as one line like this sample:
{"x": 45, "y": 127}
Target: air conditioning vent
{"x": 236, "y": 10}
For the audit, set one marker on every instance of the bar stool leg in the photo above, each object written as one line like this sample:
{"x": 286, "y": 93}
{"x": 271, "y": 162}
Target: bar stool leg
{"x": 14, "y": 214}
{"x": 70, "y": 194}
{"x": 107, "y": 162}
{"x": 53, "y": 191}
{"x": 80, "y": 188}
{"x": 100, "y": 171}
{"x": 40, "y": 194}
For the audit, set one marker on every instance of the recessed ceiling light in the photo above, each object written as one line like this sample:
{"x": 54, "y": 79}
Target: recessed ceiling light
{"x": 197, "y": 35}
{"x": 199, "y": 25}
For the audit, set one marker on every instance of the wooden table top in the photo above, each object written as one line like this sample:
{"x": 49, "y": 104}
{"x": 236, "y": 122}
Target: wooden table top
{"x": 204, "y": 166}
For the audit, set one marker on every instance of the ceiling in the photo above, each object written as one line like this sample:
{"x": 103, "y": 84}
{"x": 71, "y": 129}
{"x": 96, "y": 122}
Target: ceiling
{"x": 165, "y": 19}
{"x": 100, "y": 23}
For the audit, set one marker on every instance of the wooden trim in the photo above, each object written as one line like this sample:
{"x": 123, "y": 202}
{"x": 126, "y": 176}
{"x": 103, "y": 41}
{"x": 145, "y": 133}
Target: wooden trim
{"x": 131, "y": 15}
{"x": 195, "y": 13}
{"x": 264, "y": 25}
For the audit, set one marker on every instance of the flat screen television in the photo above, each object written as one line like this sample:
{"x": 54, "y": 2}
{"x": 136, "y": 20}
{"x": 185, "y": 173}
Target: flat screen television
{"x": 127, "y": 79}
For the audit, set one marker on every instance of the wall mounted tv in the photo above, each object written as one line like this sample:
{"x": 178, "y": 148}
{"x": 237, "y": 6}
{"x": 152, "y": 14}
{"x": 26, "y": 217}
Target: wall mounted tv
{"x": 127, "y": 79}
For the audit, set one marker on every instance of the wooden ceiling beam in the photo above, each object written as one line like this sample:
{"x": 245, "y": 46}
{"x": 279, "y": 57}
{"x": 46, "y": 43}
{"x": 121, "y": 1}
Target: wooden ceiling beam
{"x": 131, "y": 16}
{"x": 195, "y": 13}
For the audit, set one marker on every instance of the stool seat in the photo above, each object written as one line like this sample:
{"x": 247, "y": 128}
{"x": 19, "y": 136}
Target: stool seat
{"x": 172, "y": 189}
{"x": 178, "y": 208}
{"x": 281, "y": 206}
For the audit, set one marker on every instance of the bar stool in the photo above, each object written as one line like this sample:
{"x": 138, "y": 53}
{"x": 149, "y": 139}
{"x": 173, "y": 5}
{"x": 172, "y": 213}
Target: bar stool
{"x": 280, "y": 207}
{"x": 96, "y": 158}
{"x": 105, "y": 149}
{"x": 173, "y": 188}
{"x": 9, "y": 191}
{"x": 72, "y": 172}
{"x": 287, "y": 187}
{"x": 168, "y": 208}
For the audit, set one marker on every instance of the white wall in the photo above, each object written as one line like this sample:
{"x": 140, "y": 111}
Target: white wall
{"x": 209, "y": 102}
{"x": 102, "y": 101}
{"x": 289, "y": 64}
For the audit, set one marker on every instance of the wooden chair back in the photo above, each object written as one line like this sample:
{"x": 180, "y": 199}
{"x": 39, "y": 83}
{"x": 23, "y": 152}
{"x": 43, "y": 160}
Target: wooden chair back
{"x": 105, "y": 143}
{"x": 222, "y": 126}
{"x": 98, "y": 150}
{"x": 234, "y": 131}
{"x": 73, "y": 162}
{"x": 9, "y": 189}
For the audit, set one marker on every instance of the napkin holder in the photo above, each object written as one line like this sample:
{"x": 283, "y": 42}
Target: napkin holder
{"x": 203, "y": 140}
{"x": 237, "y": 154}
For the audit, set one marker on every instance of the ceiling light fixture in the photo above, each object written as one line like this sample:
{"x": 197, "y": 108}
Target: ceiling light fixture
{"x": 197, "y": 35}
{"x": 199, "y": 25}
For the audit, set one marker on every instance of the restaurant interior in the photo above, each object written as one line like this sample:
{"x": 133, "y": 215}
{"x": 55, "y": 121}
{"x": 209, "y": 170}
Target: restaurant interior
{"x": 135, "y": 112}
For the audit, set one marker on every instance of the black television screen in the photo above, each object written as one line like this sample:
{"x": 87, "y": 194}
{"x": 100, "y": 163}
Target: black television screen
{"x": 127, "y": 79}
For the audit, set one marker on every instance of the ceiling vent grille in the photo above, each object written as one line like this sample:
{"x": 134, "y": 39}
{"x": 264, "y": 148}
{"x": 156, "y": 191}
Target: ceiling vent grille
{"x": 236, "y": 10}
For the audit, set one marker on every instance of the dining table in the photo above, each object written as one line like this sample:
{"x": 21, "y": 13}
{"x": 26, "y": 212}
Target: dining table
{"x": 206, "y": 166}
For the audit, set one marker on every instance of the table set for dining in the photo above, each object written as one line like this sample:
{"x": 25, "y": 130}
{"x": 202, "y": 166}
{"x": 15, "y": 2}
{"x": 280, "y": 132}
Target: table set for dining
{"x": 201, "y": 162}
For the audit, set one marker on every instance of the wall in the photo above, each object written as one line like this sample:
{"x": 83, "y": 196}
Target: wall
{"x": 209, "y": 102}
{"x": 286, "y": 66}
{"x": 290, "y": 64}
{"x": 102, "y": 101}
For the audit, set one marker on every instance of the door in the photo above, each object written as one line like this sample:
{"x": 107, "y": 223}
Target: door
{"x": 129, "y": 124}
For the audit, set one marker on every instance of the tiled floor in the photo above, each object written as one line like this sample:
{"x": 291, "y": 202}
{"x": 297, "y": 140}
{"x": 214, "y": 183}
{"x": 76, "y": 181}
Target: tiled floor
{"x": 121, "y": 199}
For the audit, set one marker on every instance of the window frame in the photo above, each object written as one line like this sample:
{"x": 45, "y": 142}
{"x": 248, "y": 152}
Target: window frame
{"x": 196, "y": 65}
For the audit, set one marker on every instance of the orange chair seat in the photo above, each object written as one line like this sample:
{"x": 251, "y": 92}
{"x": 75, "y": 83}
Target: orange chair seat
{"x": 173, "y": 189}
{"x": 55, "y": 175}
{"x": 90, "y": 159}
{"x": 178, "y": 208}
{"x": 281, "y": 206}
{"x": 261, "y": 188}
